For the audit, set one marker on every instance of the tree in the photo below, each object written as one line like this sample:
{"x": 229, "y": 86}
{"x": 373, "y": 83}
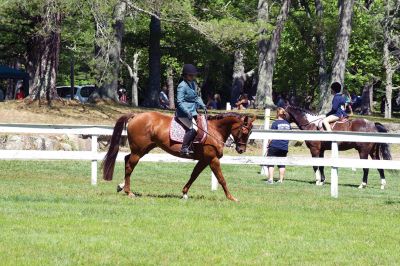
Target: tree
{"x": 323, "y": 76}
{"x": 266, "y": 69}
{"x": 239, "y": 76}
{"x": 44, "y": 51}
{"x": 391, "y": 46}
{"x": 153, "y": 88}
{"x": 108, "y": 47}
{"x": 133, "y": 74}
{"x": 341, "y": 50}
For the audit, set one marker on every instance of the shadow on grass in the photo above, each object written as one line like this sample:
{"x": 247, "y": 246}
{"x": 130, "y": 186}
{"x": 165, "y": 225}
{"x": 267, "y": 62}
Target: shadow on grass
{"x": 170, "y": 196}
{"x": 313, "y": 182}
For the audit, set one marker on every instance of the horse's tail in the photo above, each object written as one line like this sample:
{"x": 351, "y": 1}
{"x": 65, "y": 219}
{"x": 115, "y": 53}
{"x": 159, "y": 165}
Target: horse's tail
{"x": 383, "y": 148}
{"x": 109, "y": 160}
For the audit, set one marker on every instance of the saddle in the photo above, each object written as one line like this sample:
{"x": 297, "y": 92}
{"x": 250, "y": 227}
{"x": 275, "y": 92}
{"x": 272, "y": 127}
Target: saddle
{"x": 177, "y": 130}
{"x": 342, "y": 120}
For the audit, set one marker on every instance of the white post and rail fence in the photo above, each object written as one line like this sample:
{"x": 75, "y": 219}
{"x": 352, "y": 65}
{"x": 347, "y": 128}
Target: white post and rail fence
{"x": 94, "y": 155}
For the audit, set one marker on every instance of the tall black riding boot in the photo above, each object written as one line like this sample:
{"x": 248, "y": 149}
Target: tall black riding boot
{"x": 187, "y": 141}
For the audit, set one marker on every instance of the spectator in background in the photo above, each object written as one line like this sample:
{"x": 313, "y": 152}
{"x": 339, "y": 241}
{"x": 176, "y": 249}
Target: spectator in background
{"x": 243, "y": 102}
{"x": 211, "y": 103}
{"x": 280, "y": 101}
{"x": 1, "y": 95}
{"x": 348, "y": 104}
{"x": 122, "y": 95}
{"x": 278, "y": 148}
{"x": 163, "y": 98}
{"x": 217, "y": 99}
{"x": 20, "y": 95}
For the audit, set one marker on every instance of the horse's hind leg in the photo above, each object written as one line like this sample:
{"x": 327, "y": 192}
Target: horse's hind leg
{"x": 196, "y": 172}
{"x": 375, "y": 156}
{"x": 364, "y": 155}
{"x": 131, "y": 161}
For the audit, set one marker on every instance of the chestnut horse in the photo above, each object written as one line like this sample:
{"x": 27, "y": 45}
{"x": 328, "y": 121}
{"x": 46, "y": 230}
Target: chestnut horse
{"x": 308, "y": 121}
{"x": 151, "y": 129}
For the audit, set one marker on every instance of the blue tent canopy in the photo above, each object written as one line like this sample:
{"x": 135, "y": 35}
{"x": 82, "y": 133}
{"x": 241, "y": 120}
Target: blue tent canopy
{"x": 12, "y": 73}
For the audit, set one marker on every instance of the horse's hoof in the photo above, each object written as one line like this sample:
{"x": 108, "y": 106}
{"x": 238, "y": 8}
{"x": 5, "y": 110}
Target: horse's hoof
{"x": 131, "y": 195}
{"x": 119, "y": 188}
{"x": 363, "y": 185}
{"x": 185, "y": 196}
{"x": 319, "y": 183}
{"x": 233, "y": 199}
{"x": 382, "y": 187}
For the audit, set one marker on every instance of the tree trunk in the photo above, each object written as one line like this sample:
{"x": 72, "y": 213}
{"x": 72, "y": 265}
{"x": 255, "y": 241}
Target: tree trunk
{"x": 153, "y": 89}
{"x": 323, "y": 77}
{"x": 239, "y": 76}
{"x": 264, "y": 88}
{"x": 341, "y": 50}
{"x": 133, "y": 74}
{"x": 390, "y": 69}
{"x": 170, "y": 86}
{"x": 108, "y": 53}
{"x": 46, "y": 57}
{"x": 366, "y": 98}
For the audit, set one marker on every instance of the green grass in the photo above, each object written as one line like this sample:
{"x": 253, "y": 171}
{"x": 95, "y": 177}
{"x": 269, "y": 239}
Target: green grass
{"x": 50, "y": 214}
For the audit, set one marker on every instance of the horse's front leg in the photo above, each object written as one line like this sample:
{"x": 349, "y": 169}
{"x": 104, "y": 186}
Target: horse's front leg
{"x": 196, "y": 172}
{"x": 216, "y": 168}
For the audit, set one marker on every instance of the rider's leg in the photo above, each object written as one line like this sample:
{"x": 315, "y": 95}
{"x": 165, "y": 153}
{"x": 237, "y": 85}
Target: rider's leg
{"x": 329, "y": 119}
{"x": 189, "y": 135}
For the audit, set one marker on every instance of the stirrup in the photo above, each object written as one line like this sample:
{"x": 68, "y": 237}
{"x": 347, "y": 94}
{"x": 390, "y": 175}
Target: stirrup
{"x": 186, "y": 151}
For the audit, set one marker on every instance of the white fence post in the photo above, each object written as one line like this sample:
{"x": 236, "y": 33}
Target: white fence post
{"x": 214, "y": 182}
{"x": 94, "y": 161}
{"x": 267, "y": 115}
{"x": 334, "y": 171}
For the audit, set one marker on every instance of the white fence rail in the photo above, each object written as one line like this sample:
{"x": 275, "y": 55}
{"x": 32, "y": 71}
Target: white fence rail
{"x": 261, "y": 134}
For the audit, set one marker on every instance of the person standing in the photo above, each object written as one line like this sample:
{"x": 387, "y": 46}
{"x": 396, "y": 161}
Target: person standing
{"x": 188, "y": 102}
{"x": 278, "y": 148}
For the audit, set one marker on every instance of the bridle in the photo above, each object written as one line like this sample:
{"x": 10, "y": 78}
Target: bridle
{"x": 244, "y": 128}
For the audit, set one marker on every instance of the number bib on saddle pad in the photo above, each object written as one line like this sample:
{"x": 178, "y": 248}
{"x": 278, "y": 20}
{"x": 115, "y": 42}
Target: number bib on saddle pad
{"x": 177, "y": 130}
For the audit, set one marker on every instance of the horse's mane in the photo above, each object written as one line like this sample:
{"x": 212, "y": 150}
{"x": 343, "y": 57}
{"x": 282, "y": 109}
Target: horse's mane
{"x": 224, "y": 115}
{"x": 301, "y": 110}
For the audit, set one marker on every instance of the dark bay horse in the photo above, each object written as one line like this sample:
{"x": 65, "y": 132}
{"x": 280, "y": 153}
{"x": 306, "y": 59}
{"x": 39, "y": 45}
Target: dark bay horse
{"x": 151, "y": 129}
{"x": 306, "y": 120}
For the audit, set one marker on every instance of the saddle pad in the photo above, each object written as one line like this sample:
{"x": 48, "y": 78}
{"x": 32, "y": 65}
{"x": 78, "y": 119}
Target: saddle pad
{"x": 177, "y": 130}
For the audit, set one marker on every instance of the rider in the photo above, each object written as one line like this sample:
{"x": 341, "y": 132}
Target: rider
{"x": 187, "y": 104}
{"x": 338, "y": 106}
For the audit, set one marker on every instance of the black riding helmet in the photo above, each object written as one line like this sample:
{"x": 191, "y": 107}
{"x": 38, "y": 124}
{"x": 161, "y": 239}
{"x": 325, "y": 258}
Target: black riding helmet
{"x": 189, "y": 69}
{"x": 336, "y": 87}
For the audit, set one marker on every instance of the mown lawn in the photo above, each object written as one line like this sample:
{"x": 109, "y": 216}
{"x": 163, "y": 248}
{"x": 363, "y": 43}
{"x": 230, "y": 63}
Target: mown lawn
{"x": 50, "y": 214}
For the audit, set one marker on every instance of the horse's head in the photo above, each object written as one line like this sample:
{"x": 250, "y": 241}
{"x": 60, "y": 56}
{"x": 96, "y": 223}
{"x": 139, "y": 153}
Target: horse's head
{"x": 302, "y": 118}
{"x": 241, "y": 132}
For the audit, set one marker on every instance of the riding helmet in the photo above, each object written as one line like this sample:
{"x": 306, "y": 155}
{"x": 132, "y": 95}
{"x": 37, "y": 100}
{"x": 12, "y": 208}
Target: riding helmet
{"x": 189, "y": 69}
{"x": 336, "y": 87}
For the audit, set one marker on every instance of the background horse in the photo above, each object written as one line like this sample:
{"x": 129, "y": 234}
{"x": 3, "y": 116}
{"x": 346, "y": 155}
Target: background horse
{"x": 308, "y": 121}
{"x": 151, "y": 129}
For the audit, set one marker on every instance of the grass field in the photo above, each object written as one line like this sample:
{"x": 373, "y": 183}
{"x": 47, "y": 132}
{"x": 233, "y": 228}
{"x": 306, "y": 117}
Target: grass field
{"x": 50, "y": 214}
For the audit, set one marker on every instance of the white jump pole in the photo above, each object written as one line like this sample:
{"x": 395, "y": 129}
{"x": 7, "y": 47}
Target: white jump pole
{"x": 267, "y": 115}
{"x": 334, "y": 171}
{"x": 94, "y": 161}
